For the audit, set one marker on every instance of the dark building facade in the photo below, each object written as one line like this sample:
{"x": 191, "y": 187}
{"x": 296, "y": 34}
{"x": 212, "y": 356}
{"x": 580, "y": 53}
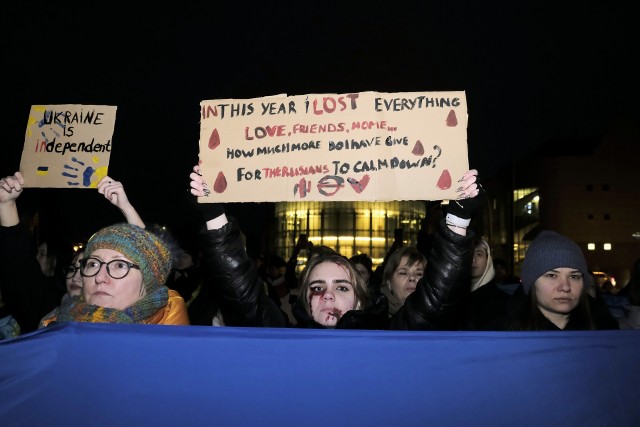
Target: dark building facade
{"x": 586, "y": 189}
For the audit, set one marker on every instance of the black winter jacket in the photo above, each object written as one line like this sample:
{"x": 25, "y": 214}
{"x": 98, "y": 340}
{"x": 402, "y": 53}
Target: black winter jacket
{"x": 233, "y": 281}
{"x": 243, "y": 302}
{"x": 436, "y": 302}
{"x": 27, "y": 293}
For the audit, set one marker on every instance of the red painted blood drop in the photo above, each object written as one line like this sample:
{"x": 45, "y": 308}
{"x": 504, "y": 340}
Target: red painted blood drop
{"x": 418, "y": 149}
{"x": 444, "y": 182}
{"x": 214, "y": 140}
{"x": 452, "y": 120}
{"x": 221, "y": 183}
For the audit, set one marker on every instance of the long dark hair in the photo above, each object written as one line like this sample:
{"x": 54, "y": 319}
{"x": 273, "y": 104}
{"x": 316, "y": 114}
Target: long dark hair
{"x": 580, "y": 317}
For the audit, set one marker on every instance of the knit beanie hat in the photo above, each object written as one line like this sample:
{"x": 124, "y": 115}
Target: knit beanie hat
{"x": 551, "y": 250}
{"x": 140, "y": 246}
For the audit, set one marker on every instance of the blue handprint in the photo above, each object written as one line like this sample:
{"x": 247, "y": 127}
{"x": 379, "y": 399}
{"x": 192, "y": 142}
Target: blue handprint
{"x": 87, "y": 173}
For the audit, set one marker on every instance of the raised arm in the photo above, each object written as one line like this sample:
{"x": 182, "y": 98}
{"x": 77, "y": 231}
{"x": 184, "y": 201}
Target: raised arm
{"x": 10, "y": 190}
{"x": 114, "y": 192}
{"x": 436, "y": 301}
{"x": 27, "y": 294}
{"x": 213, "y": 213}
{"x": 229, "y": 271}
{"x": 459, "y": 211}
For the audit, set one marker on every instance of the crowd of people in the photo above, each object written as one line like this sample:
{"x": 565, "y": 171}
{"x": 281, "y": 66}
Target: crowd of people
{"x": 131, "y": 272}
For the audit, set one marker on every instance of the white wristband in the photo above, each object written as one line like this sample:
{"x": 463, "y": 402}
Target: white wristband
{"x": 457, "y": 221}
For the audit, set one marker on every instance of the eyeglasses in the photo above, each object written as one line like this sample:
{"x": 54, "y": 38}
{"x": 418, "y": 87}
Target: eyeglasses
{"x": 71, "y": 271}
{"x": 117, "y": 268}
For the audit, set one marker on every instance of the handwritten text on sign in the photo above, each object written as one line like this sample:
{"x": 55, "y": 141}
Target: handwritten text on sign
{"x": 367, "y": 146}
{"x": 67, "y": 146}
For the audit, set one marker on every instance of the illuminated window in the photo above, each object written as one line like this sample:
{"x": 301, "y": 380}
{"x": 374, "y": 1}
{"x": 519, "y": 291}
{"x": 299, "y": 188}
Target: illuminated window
{"x": 591, "y": 246}
{"x": 606, "y": 246}
{"x": 348, "y": 227}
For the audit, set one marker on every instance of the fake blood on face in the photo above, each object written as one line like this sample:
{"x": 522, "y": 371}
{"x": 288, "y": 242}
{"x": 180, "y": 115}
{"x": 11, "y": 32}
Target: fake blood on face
{"x": 320, "y": 294}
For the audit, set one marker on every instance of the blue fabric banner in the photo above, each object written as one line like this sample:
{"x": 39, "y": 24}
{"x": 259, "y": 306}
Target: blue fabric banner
{"x": 125, "y": 375}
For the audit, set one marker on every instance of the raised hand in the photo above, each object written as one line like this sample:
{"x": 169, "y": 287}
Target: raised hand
{"x": 11, "y": 187}
{"x": 10, "y": 190}
{"x": 212, "y": 213}
{"x": 199, "y": 188}
{"x": 114, "y": 192}
{"x": 471, "y": 196}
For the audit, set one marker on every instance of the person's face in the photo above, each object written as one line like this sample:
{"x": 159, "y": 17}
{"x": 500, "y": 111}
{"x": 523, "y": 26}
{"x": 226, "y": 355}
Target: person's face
{"x": 501, "y": 271}
{"x": 74, "y": 283}
{"x": 558, "y": 290}
{"x": 362, "y": 270}
{"x": 479, "y": 264}
{"x": 183, "y": 260}
{"x": 405, "y": 277}
{"x": 330, "y": 293}
{"x": 43, "y": 259}
{"x": 275, "y": 272}
{"x": 105, "y": 291}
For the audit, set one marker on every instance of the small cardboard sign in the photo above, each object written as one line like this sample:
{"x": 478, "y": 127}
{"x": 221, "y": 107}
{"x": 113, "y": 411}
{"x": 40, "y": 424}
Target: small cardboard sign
{"x": 366, "y": 146}
{"x": 67, "y": 146}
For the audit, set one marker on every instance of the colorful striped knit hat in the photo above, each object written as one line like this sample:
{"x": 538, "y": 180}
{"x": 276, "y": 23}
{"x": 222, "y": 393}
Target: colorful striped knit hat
{"x": 140, "y": 246}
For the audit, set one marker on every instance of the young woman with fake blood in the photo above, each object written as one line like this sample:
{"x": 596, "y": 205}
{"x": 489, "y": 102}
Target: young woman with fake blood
{"x": 333, "y": 295}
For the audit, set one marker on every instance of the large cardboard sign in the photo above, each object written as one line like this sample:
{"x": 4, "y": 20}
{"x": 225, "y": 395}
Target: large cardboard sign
{"x": 366, "y": 146}
{"x": 67, "y": 146}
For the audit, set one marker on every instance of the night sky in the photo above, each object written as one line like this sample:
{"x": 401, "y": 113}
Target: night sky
{"x": 530, "y": 75}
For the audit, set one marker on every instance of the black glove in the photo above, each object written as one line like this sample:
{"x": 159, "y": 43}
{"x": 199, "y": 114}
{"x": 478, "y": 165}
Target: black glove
{"x": 466, "y": 208}
{"x": 210, "y": 211}
{"x": 207, "y": 211}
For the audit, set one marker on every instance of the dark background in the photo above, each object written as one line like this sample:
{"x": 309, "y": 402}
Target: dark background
{"x": 532, "y": 73}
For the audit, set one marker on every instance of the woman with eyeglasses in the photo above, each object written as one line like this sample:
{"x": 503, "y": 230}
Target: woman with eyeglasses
{"x": 72, "y": 281}
{"x": 124, "y": 271}
{"x": 26, "y": 295}
{"x": 72, "y": 277}
{"x": 114, "y": 192}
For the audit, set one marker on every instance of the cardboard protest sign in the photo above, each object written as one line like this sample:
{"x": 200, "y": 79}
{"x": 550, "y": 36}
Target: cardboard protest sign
{"x": 67, "y": 146}
{"x": 367, "y": 146}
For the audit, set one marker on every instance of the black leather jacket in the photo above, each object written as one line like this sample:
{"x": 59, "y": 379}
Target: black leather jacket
{"x": 436, "y": 302}
{"x": 233, "y": 280}
{"x": 239, "y": 291}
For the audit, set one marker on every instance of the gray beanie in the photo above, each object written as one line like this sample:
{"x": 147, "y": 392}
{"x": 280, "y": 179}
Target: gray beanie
{"x": 551, "y": 250}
